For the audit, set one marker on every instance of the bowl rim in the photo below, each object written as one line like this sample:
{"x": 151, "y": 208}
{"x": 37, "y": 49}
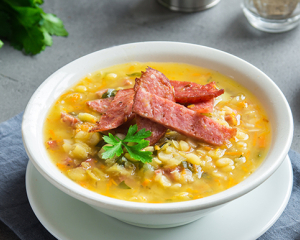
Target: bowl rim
{"x": 102, "y": 201}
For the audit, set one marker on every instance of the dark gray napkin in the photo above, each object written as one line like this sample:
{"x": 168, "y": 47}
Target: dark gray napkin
{"x": 15, "y": 210}
{"x": 17, "y": 214}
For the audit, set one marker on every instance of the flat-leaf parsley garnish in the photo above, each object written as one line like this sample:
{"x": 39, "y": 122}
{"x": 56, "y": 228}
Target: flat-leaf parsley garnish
{"x": 26, "y": 26}
{"x": 133, "y": 136}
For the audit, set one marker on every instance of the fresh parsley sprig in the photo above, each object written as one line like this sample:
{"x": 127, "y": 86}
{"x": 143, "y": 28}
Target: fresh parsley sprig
{"x": 133, "y": 136}
{"x": 27, "y": 27}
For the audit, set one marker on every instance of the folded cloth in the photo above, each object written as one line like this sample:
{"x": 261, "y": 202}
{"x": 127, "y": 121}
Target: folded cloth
{"x": 287, "y": 226}
{"x": 17, "y": 214}
{"x": 15, "y": 210}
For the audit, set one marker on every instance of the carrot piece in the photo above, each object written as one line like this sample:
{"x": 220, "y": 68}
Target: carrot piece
{"x": 108, "y": 185}
{"x": 83, "y": 184}
{"x": 75, "y": 97}
{"x": 61, "y": 166}
{"x": 248, "y": 154}
{"x": 191, "y": 190}
{"x": 262, "y": 140}
{"x": 113, "y": 181}
{"x": 245, "y": 169}
{"x": 198, "y": 196}
{"x": 51, "y": 132}
{"x": 146, "y": 182}
{"x": 207, "y": 148}
{"x": 102, "y": 166}
{"x": 218, "y": 181}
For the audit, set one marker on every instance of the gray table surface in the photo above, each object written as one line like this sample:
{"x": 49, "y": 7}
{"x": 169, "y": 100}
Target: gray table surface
{"x": 95, "y": 25}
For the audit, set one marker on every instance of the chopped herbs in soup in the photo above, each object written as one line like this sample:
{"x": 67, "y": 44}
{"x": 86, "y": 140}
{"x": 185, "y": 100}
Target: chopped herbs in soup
{"x": 157, "y": 132}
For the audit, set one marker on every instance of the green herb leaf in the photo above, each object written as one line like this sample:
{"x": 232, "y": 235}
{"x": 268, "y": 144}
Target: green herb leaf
{"x": 110, "y": 139}
{"x": 134, "y": 151}
{"x": 5, "y": 29}
{"x": 111, "y": 151}
{"x": 27, "y": 27}
{"x": 131, "y": 137}
{"x": 47, "y": 37}
{"x": 109, "y": 93}
{"x": 53, "y": 25}
{"x": 135, "y": 74}
{"x": 123, "y": 185}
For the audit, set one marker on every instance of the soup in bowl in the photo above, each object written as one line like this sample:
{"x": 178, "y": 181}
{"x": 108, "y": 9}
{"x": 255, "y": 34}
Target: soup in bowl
{"x": 157, "y": 137}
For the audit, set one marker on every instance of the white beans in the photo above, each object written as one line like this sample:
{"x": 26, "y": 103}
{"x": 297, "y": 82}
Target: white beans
{"x": 170, "y": 150}
{"x": 111, "y": 76}
{"x": 193, "y": 158}
{"x": 77, "y": 174}
{"x": 184, "y": 146}
{"x": 217, "y": 153}
{"x": 86, "y": 117}
{"x": 164, "y": 181}
{"x": 89, "y": 138}
{"x": 164, "y": 157}
{"x": 149, "y": 148}
{"x": 241, "y": 135}
{"x": 241, "y": 145}
{"x": 175, "y": 144}
{"x": 81, "y": 88}
{"x": 223, "y": 162}
{"x": 228, "y": 168}
{"x": 80, "y": 150}
{"x": 191, "y": 142}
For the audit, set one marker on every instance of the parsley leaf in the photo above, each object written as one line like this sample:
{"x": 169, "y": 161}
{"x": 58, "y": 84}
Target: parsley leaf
{"x": 123, "y": 185}
{"x": 136, "y": 153}
{"x": 116, "y": 147}
{"x": 109, "y": 93}
{"x": 133, "y": 136}
{"x": 135, "y": 74}
{"x": 53, "y": 25}
{"x": 130, "y": 137}
{"x": 27, "y": 27}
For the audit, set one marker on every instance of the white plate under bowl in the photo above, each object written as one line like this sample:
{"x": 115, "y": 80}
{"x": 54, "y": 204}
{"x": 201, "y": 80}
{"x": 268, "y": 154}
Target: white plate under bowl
{"x": 70, "y": 219}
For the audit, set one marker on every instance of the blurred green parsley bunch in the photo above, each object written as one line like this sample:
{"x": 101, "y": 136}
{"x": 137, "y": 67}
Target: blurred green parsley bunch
{"x": 27, "y": 27}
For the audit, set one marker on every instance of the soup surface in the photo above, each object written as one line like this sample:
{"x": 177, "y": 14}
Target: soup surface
{"x": 181, "y": 167}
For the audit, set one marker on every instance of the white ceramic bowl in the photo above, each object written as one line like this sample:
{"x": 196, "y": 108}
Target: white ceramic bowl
{"x": 165, "y": 214}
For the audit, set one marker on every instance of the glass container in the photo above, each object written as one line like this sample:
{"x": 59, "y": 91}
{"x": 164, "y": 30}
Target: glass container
{"x": 272, "y": 15}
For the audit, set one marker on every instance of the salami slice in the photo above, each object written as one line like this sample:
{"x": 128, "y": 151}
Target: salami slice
{"x": 119, "y": 111}
{"x": 180, "y": 118}
{"x": 189, "y": 92}
{"x": 158, "y": 84}
{"x": 100, "y": 105}
{"x": 203, "y": 107}
{"x": 69, "y": 119}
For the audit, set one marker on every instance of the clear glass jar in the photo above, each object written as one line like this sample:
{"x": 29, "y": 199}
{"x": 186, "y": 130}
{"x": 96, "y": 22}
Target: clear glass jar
{"x": 272, "y": 15}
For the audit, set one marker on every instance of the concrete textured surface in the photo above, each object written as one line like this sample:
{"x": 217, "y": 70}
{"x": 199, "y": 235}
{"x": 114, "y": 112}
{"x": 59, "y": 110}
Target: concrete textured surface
{"x": 94, "y": 25}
